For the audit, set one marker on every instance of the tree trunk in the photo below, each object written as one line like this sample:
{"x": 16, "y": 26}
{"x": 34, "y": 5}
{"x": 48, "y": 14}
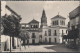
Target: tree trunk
{"x": 10, "y": 43}
{"x": 28, "y": 43}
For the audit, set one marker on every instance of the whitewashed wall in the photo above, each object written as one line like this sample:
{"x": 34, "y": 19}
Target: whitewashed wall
{"x": 36, "y": 39}
{"x": 3, "y": 9}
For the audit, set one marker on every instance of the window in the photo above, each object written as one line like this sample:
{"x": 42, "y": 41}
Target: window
{"x": 57, "y": 22}
{"x": 49, "y": 32}
{"x": 32, "y": 26}
{"x": 36, "y": 26}
{"x": 45, "y": 33}
{"x": 66, "y": 31}
{"x": 60, "y": 22}
{"x": 40, "y": 36}
{"x": 64, "y": 22}
{"x": 62, "y": 32}
{"x": 33, "y": 35}
{"x": 55, "y": 33}
{"x": 55, "y": 40}
{"x": 49, "y": 40}
{"x": 53, "y": 23}
{"x": 45, "y": 39}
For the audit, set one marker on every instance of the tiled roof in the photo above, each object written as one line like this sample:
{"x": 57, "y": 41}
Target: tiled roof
{"x": 33, "y": 21}
{"x": 74, "y": 12}
{"x": 58, "y": 16}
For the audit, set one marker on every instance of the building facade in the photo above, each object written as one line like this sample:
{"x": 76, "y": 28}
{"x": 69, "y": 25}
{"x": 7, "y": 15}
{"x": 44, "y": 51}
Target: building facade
{"x": 47, "y": 34}
{"x": 55, "y": 32}
{"x": 73, "y": 35}
{"x": 33, "y": 29}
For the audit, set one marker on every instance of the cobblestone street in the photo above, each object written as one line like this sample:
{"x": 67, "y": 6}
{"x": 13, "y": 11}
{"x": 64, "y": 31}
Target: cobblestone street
{"x": 44, "y": 48}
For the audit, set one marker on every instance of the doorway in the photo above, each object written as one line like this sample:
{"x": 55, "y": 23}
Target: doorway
{"x": 49, "y": 40}
{"x": 33, "y": 41}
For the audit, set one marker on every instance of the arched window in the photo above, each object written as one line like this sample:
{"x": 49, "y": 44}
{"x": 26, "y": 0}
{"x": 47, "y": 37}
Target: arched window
{"x": 36, "y": 26}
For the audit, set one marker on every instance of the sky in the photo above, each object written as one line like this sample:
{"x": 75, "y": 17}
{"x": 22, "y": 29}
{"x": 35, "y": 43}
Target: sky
{"x": 33, "y": 9}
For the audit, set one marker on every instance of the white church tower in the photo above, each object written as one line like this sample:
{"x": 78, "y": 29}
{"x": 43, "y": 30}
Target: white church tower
{"x": 44, "y": 27}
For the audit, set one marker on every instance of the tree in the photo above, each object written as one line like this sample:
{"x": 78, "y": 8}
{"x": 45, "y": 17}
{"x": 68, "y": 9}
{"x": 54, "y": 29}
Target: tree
{"x": 11, "y": 26}
{"x": 24, "y": 35}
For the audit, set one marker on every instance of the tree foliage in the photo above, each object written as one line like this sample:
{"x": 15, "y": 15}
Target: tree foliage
{"x": 24, "y": 34}
{"x": 11, "y": 25}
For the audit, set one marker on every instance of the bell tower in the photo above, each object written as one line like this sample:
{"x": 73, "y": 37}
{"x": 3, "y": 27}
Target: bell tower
{"x": 43, "y": 19}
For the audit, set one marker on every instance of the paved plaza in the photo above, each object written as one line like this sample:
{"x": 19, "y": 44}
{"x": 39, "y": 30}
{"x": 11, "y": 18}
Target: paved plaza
{"x": 44, "y": 48}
